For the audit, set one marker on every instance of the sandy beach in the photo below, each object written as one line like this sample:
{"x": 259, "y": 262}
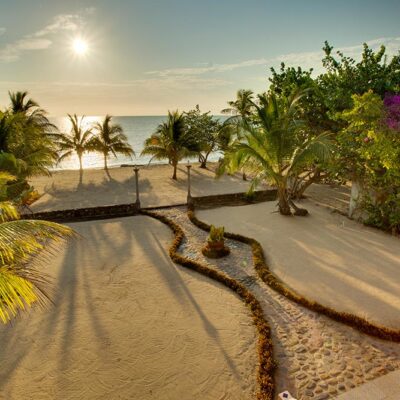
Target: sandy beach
{"x": 64, "y": 191}
{"x": 325, "y": 256}
{"x": 129, "y": 324}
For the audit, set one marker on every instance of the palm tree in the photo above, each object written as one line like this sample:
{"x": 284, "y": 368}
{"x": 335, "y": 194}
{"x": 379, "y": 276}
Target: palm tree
{"x": 170, "y": 141}
{"x": 77, "y": 141}
{"x": 34, "y": 151}
{"x": 21, "y": 104}
{"x": 277, "y": 146}
{"x": 21, "y": 283}
{"x": 242, "y": 107}
{"x": 110, "y": 138}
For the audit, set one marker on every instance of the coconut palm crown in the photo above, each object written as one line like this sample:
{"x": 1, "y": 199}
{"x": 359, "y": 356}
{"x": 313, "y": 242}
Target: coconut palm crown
{"x": 276, "y": 146}
{"x": 78, "y": 140}
{"x": 110, "y": 138}
{"x": 171, "y": 141}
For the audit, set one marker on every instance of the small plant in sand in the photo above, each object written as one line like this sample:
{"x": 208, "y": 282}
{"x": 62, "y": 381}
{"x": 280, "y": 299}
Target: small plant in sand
{"x": 215, "y": 246}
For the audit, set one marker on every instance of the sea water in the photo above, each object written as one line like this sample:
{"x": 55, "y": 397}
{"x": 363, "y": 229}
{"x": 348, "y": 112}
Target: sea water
{"x": 136, "y": 128}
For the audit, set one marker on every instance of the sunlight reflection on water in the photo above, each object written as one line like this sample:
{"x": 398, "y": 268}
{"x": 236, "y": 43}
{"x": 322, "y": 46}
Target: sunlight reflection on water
{"x": 136, "y": 128}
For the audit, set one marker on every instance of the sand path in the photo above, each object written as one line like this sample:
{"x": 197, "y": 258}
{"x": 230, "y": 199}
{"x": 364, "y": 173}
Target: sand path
{"x": 63, "y": 191}
{"x": 129, "y": 324}
{"x": 325, "y": 257}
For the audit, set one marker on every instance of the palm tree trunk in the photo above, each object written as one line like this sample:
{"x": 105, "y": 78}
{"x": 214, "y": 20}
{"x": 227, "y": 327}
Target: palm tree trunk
{"x": 105, "y": 162}
{"x": 80, "y": 163}
{"x": 283, "y": 202}
{"x": 175, "y": 165}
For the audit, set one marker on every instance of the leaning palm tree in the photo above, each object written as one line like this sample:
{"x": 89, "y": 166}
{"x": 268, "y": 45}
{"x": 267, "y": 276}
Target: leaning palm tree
{"x": 21, "y": 241}
{"x": 78, "y": 140}
{"x": 110, "y": 138}
{"x": 276, "y": 147}
{"x": 170, "y": 141}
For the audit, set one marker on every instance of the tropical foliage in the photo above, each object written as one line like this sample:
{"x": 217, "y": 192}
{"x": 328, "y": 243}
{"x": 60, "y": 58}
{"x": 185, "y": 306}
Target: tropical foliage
{"x": 78, "y": 140}
{"x": 110, "y": 139}
{"x": 26, "y": 133}
{"x": 21, "y": 241}
{"x": 206, "y": 131}
{"x": 171, "y": 142}
{"x": 275, "y": 147}
{"x": 368, "y": 154}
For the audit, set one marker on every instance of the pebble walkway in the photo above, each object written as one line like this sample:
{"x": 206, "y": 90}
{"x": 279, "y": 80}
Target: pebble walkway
{"x": 317, "y": 358}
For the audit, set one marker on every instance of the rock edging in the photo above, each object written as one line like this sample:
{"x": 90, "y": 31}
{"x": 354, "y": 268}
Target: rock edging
{"x": 266, "y": 362}
{"x": 275, "y": 283}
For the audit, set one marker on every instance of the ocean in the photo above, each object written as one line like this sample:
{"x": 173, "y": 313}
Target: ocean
{"x": 136, "y": 128}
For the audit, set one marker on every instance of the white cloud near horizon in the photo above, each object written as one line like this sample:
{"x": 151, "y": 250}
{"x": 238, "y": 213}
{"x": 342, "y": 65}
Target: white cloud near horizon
{"x": 40, "y": 40}
{"x": 305, "y": 59}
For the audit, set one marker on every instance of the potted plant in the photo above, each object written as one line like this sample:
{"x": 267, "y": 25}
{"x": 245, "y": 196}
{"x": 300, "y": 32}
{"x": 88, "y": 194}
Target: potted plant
{"x": 215, "y": 246}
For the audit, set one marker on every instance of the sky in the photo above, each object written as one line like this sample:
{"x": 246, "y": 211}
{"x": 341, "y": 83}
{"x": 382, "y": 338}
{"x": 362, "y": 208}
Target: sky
{"x": 148, "y": 56}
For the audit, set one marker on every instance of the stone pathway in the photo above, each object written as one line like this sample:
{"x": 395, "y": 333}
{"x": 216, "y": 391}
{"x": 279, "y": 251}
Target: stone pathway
{"x": 384, "y": 388}
{"x": 317, "y": 358}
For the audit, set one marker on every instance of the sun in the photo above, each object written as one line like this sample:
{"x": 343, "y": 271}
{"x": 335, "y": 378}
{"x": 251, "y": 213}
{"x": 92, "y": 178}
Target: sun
{"x": 80, "y": 46}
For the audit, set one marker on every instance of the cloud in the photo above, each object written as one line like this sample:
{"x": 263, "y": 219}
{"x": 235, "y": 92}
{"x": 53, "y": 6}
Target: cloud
{"x": 40, "y": 40}
{"x": 2, "y": 31}
{"x": 305, "y": 59}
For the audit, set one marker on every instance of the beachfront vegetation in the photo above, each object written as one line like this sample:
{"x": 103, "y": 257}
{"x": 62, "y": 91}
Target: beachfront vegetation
{"x": 209, "y": 133}
{"x": 358, "y": 103}
{"x": 110, "y": 138}
{"x": 26, "y": 137}
{"x": 21, "y": 284}
{"x": 171, "y": 142}
{"x": 241, "y": 108}
{"x": 275, "y": 146}
{"x": 78, "y": 140}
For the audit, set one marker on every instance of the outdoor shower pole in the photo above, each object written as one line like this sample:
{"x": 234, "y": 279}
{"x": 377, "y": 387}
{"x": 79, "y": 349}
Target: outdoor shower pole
{"x": 136, "y": 169}
{"x": 189, "y": 195}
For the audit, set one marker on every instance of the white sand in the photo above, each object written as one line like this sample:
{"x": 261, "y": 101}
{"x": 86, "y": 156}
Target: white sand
{"x": 325, "y": 257}
{"x": 129, "y": 324}
{"x": 63, "y": 190}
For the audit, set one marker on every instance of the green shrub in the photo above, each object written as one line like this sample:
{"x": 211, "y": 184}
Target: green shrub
{"x": 385, "y": 215}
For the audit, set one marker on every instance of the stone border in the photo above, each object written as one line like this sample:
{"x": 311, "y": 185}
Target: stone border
{"x": 266, "y": 362}
{"x": 233, "y": 199}
{"x": 279, "y": 286}
{"x": 85, "y": 214}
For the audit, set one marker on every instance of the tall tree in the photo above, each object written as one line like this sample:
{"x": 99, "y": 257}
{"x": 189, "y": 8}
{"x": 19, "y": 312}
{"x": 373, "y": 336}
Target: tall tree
{"x": 171, "y": 141}
{"x": 346, "y": 76}
{"x": 205, "y": 131}
{"x": 275, "y": 147}
{"x": 78, "y": 140}
{"x": 110, "y": 138}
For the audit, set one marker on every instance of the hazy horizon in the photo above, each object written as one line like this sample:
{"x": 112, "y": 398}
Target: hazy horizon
{"x": 141, "y": 58}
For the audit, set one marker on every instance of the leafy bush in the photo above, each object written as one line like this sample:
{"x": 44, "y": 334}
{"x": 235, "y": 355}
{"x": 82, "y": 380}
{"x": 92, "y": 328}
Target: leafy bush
{"x": 384, "y": 215}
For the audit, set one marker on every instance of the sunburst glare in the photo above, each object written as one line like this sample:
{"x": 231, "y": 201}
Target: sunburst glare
{"x": 80, "y": 46}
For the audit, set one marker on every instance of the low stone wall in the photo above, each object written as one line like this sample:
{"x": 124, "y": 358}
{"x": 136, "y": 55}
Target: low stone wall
{"x": 233, "y": 199}
{"x": 85, "y": 214}
{"x": 126, "y": 210}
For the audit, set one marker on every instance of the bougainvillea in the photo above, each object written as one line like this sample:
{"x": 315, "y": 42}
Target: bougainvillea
{"x": 392, "y": 107}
